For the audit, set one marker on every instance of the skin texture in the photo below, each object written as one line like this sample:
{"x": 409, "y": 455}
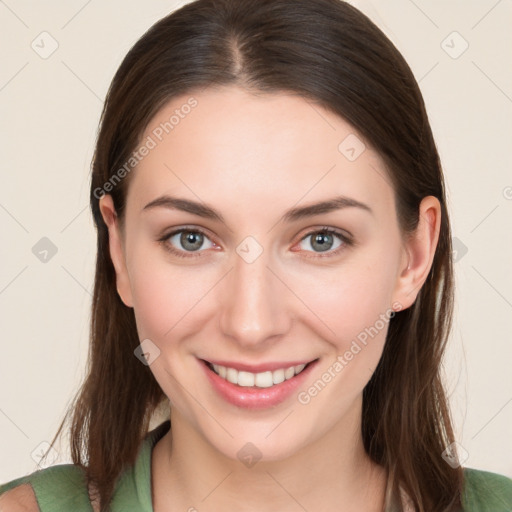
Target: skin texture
{"x": 252, "y": 157}
{"x": 19, "y": 499}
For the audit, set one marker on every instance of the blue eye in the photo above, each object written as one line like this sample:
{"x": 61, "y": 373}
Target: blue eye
{"x": 190, "y": 239}
{"x": 192, "y": 242}
{"x": 323, "y": 240}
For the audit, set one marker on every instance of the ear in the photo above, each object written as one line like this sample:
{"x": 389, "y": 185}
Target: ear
{"x": 116, "y": 248}
{"x": 419, "y": 251}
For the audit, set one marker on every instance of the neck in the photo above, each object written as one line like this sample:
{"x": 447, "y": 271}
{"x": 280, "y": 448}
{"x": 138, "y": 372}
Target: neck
{"x": 332, "y": 473}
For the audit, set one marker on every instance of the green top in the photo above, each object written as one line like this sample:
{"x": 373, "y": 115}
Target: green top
{"x": 62, "y": 488}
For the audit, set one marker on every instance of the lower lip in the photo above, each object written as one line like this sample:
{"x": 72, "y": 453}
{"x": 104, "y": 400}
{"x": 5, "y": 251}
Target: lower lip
{"x": 253, "y": 397}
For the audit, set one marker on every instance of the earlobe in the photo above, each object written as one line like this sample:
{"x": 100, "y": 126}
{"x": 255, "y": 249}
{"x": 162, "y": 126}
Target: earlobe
{"x": 419, "y": 251}
{"x": 115, "y": 243}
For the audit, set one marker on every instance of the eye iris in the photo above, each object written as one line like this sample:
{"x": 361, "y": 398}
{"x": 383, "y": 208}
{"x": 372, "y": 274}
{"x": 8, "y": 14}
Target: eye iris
{"x": 324, "y": 240}
{"x": 194, "y": 238}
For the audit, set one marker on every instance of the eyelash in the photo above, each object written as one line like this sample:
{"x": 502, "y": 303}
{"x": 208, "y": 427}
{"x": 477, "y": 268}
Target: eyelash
{"x": 345, "y": 239}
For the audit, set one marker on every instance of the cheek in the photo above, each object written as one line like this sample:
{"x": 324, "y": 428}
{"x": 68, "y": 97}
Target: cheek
{"x": 152, "y": 302}
{"x": 171, "y": 302}
{"x": 355, "y": 308}
{"x": 162, "y": 293}
{"x": 352, "y": 297}
{"x": 164, "y": 298}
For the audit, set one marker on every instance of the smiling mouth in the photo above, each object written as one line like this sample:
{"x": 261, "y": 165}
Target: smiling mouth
{"x": 265, "y": 379}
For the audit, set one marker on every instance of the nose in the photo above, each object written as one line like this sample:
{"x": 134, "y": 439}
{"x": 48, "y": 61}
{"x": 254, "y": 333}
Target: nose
{"x": 255, "y": 303}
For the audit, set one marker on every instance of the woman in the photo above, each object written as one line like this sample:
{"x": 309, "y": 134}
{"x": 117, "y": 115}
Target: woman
{"x": 274, "y": 261}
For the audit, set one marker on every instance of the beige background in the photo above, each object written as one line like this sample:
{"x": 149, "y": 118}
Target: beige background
{"x": 50, "y": 109}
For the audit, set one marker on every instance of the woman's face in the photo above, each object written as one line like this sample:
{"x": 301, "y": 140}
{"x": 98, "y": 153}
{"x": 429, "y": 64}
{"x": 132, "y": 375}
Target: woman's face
{"x": 261, "y": 288}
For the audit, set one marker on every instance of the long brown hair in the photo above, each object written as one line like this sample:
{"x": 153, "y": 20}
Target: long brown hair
{"x": 327, "y": 52}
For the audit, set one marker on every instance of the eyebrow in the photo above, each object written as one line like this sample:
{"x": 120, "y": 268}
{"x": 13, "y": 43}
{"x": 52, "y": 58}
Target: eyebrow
{"x": 294, "y": 214}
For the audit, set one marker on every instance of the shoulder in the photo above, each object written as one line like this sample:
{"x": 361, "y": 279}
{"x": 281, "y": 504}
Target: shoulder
{"x": 19, "y": 499}
{"x": 61, "y": 487}
{"x": 485, "y": 491}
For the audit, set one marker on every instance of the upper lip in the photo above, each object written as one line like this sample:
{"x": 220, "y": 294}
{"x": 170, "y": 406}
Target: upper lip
{"x": 258, "y": 368}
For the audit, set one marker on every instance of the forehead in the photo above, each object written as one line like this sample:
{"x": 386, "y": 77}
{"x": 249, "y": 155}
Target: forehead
{"x": 262, "y": 146}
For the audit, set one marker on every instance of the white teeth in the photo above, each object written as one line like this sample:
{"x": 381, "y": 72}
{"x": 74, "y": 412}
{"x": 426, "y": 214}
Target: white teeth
{"x": 232, "y": 375}
{"x": 289, "y": 373}
{"x": 278, "y": 376}
{"x": 260, "y": 380}
{"x": 245, "y": 379}
{"x": 263, "y": 380}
